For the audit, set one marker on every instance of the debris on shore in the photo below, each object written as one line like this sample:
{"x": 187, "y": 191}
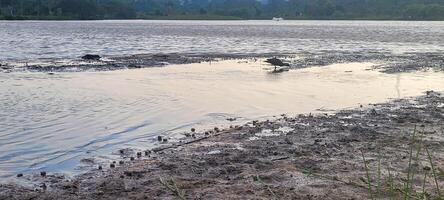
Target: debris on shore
{"x": 303, "y": 157}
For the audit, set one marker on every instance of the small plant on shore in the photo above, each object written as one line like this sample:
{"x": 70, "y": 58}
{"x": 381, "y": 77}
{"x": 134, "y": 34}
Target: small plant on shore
{"x": 172, "y": 186}
{"x": 258, "y": 179}
{"x": 405, "y": 188}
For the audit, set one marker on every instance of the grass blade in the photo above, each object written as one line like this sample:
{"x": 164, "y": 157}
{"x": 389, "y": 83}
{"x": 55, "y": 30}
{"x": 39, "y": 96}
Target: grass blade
{"x": 368, "y": 176}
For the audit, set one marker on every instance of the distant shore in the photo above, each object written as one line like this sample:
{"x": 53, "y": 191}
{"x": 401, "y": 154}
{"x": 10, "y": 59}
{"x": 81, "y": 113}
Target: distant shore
{"x": 209, "y": 18}
{"x": 303, "y": 157}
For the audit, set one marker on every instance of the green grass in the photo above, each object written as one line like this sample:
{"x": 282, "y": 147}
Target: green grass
{"x": 258, "y": 179}
{"x": 406, "y": 188}
{"x": 173, "y": 187}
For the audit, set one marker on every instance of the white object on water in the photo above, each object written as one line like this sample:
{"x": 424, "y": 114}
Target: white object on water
{"x": 278, "y": 18}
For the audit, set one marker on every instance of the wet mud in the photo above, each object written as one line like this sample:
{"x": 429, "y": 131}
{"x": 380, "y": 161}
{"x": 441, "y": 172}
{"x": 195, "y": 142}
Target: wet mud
{"x": 389, "y": 62}
{"x": 302, "y": 157}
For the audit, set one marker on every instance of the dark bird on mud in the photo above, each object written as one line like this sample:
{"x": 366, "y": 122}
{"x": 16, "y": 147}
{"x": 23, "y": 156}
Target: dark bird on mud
{"x": 276, "y": 62}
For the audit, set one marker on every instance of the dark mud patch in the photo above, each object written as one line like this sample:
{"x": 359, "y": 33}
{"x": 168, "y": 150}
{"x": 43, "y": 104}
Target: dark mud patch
{"x": 119, "y": 62}
{"x": 302, "y": 157}
{"x": 388, "y": 62}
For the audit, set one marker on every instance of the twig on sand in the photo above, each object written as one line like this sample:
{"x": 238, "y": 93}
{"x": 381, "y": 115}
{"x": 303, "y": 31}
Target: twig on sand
{"x": 281, "y": 158}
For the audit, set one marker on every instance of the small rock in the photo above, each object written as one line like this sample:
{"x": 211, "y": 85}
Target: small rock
{"x": 426, "y": 168}
{"x": 231, "y": 119}
{"x": 147, "y": 153}
{"x": 43, "y": 173}
{"x": 159, "y": 138}
{"x": 19, "y": 175}
{"x": 112, "y": 165}
{"x": 132, "y": 158}
{"x": 165, "y": 140}
{"x": 193, "y": 130}
{"x": 100, "y": 167}
{"x": 139, "y": 154}
{"x": 128, "y": 173}
{"x": 121, "y": 162}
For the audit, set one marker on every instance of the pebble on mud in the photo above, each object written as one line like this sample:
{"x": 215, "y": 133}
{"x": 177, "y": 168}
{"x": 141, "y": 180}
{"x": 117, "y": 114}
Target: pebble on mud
{"x": 128, "y": 173}
{"x": 139, "y": 154}
{"x": 193, "y": 130}
{"x": 100, "y": 167}
{"x": 159, "y": 138}
{"x": 132, "y": 158}
{"x": 121, "y": 162}
{"x": 165, "y": 140}
{"x": 43, "y": 173}
{"x": 43, "y": 186}
{"x": 19, "y": 175}
{"x": 112, "y": 165}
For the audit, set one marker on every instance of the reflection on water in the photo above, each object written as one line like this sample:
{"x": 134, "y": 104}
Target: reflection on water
{"x": 398, "y": 80}
{"x": 52, "y": 121}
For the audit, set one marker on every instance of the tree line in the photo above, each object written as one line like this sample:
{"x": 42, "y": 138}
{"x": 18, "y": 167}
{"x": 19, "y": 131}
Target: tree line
{"x": 222, "y": 9}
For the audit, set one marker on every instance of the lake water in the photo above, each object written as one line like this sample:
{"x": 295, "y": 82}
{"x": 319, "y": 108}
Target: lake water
{"x": 50, "y": 122}
{"x": 30, "y": 40}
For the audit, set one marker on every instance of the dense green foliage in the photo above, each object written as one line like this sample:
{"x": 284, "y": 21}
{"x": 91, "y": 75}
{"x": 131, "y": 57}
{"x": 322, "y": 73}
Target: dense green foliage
{"x": 222, "y": 9}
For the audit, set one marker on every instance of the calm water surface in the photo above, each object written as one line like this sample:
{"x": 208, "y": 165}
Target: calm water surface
{"x": 39, "y": 39}
{"x": 50, "y": 122}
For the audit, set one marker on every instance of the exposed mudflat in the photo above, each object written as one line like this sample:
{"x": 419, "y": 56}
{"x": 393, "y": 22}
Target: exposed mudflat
{"x": 389, "y": 62}
{"x": 118, "y": 62}
{"x": 302, "y": 157}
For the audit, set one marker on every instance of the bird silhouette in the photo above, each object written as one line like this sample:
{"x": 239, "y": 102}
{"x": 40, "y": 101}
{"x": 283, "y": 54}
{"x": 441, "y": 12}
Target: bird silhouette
{"x": 276, "y": 62}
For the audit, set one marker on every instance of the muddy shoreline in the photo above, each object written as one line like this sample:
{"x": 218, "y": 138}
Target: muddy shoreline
{"x": 389, "y": 62}
{"x": 302, "y": 157}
